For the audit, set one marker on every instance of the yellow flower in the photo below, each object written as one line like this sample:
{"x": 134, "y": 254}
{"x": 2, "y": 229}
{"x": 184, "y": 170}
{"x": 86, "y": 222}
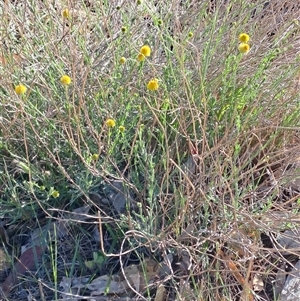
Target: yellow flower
{"x": 244, "y": 38}
{"x": 140, "y": 57}
{"x": 145, "y": 50}
{"x": 190, "y": 34}
{"x": 121, "y": 128}
{"x": 122, "y": 60}
{"x": 20, "y": 89}
{"x": 153, "y": 84}
{"x": 110, "y": 123}
{"x": 124, "y": 29}
{"x": 55, "y": 194}
{"x": 65, "y": 80}
{"x": 65, "y": 13}
{"x": 95, "y": 157}
{"x": 244, "y": 48}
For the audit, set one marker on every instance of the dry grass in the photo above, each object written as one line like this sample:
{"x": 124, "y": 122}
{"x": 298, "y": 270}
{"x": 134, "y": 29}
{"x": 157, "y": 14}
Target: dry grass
{"x": 233, "y": 117}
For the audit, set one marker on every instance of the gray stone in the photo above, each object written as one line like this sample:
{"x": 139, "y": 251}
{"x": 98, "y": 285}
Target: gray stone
{"x": 291, "y": 289}
{"x": 119, "y": 195}
{"x": 289, "y": 242}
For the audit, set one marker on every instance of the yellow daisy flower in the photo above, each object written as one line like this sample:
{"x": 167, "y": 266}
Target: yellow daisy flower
{"x": 95, "y": 157}
{"x": 153, "y": 84}
{"x": 145, "y": 50}
{"x": 122, "y": 60}
{"x": 65, "y": 80}
{"x": 244, "y": 38}
{"x": 55, "y": 194}
{"x": 121, "y": 128}
{"x": 20, "y": 89}
{"x": 140, "y": 57}
{"x": 65, "y": 13}
{"x": 110, "y": 123}
{"x": 244, "y": 48}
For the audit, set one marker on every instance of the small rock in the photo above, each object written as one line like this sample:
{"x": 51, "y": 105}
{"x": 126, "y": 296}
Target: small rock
{"x": 291, "y": 289}
{"x": 118, "y": 194}
{"x": 289, "y": 240}
{"x": 191, "y": 164}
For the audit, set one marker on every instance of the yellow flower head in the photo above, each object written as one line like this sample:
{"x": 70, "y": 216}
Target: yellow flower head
{"x": 95, "y": 157}
{"x": 244, "y": 38}
{"x": 153, "y": 84}
{"x": 65, "y": 80}
{"x": 65, "y": 13}
{"x": 123, "y": 29}
{"x": 122, "y": 60}
{"x": 145, "y": 50}
{"x": 20, "y": 89}
{"x": 190, "y": 34}
{"x": 140, "y": 57}
{"x": 110, "y": 123}
{"x": 244, "y": 48}
{"x": 55, "y": 194}
{"x": 121, "y": 128}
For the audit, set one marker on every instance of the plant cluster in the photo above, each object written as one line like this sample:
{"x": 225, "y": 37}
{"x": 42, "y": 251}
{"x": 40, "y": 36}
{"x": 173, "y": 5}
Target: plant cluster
{"x": 182, "y": 143}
